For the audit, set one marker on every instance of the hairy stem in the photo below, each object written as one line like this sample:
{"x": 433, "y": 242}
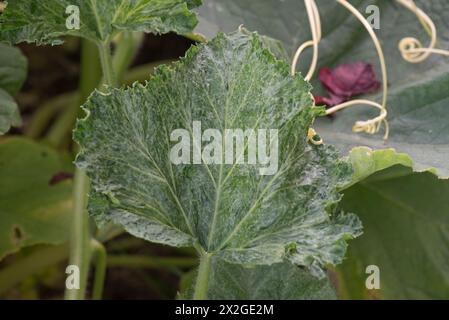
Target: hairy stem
{"x": 202, "y": 280}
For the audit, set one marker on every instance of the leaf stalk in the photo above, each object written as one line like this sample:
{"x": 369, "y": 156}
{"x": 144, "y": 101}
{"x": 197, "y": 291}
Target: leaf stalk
{"x": 202, "y": 280}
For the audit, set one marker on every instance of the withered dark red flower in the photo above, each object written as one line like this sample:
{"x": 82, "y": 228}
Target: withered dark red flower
{"x": 346, "y": 81}
{"x": 60, "y": 176}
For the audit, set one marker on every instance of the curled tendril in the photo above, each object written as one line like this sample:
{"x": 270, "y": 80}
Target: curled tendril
{"x": 411, "y": 48}
{"x": 311, "y": 137}
{"x": 371, "y": 126}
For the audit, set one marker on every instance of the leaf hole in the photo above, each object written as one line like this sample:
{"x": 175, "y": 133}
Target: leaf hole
{"x": 17, "y": 235}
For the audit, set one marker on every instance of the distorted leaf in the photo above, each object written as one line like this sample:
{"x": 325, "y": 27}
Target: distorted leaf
{"x": 229, "y": 210}
{"x": 46, "y": 22}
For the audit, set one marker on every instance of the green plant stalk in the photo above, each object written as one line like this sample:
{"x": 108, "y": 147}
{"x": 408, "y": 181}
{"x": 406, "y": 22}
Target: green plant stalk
{"x": 31, "y": 264}
{"x": 142, "y": 73}
{"x": 64, "y": 124}
{"x": 80, "y": 249}
{"x": 80, "y": 238}
{"x": 99, "y": 252}
{"x": 109, "y": 77}
{"x": 47, "y": 111}
{"x": 90, "y": 77}
{"x": 202, "y": 279}
{"x": 37, "y": 261}
{"x": 127, "y": 46}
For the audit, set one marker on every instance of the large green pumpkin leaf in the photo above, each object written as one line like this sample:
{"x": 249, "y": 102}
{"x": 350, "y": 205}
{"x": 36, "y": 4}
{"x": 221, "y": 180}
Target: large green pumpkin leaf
{"x": 32, "y": 209}
{"x": 44, "y": 22}
{"x": 419, "y": 93}
{"x": 406, "y": 234}
{"x": 235, "y": 282}
{"x": 228, "y": 210}
{"x": 13, "y": 70}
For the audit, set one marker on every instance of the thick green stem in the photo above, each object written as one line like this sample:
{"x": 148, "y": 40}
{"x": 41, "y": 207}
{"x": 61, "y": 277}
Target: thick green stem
{"x": 143, "y": 72}
{"x": 127, "y": 47}
{"x": 43, "y": 116}
{"x": 80, "y": 241}
{"x": 104, "y": 48}
{"x": 80, "y": 238}
{"x": 99, "y": 253}
{"x": 202, "y": 280}
{"x": 90, "y": 77}
{"x": 80, "y": 245}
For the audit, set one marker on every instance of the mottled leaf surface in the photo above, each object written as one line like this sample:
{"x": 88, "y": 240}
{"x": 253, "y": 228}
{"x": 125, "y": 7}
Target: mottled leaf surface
{"x": 419, "y": 93}
{"x": 280, "y": 281}
{"x": 32, "y": 211}
{"x": 228, "y": 210}
{"x": 13, "y": 70}
{"x": 44, "y": 22}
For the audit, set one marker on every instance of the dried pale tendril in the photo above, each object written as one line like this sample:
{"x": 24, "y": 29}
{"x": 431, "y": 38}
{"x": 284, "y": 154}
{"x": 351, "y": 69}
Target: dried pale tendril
{"x": 411, "y": 49}
{"x": 370, "y": 126}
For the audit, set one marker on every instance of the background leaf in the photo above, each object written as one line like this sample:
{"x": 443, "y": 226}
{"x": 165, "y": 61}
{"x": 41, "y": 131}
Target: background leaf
{"x": 235, "y": 282}
{"x": 13, "y": 70}
{"x": 418, "y": 92}
{"x": 233, "y": 211}
{"x": 9, "y": 112}
{"x": 406, "y": 234}
{"x": 32, "y": 211}
{"x": 45, "y": 22}
{"x": 405, "y": 215}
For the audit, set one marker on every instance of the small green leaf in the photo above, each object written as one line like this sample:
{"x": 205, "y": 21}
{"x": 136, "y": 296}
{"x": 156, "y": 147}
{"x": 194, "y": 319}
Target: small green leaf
{"x": 32, "y": 210}
{"x": 44, "y": 22}
{"x": 9, "y": 112}
{"x": 281, "y": 281}
{"x": 228, "y": 210}
{"x": 13, "y": 69}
